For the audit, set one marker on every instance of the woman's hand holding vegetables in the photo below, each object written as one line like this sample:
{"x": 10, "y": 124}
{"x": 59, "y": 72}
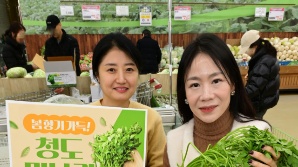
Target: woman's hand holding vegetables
{"x": 267, "y": 162}
{"x": 137, "y": 160}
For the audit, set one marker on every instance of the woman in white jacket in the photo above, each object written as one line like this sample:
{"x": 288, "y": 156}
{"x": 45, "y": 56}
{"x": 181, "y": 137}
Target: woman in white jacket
{"x": 212, "y": 102}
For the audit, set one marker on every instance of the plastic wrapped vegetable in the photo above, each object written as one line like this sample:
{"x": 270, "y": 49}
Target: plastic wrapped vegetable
{"x": 16, "y": 72}
{"x": 63, "y": 99}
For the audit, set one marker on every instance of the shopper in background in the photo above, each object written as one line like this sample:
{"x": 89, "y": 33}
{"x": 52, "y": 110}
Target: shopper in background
{"x": 263, "y": 80}
{"x": 60, "y": 43}
{"x": 14, "y": 50}
{"x": 116, "y": 63}
{"x": 151, "y": 53}
{"x": 211, "y": 101}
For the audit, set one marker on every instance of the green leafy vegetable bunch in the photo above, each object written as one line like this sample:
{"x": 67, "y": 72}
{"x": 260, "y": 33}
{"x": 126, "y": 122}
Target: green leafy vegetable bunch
{"x": 232, "y": 150}
{"x": 115, "y": 146}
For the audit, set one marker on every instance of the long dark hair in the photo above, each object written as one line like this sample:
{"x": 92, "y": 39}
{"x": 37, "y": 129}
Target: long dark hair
{"x": 262, "y": 43}
{"x": 14, "y": 28}
{"x": 114, "y": 40}
{"x": 213, "y": 46}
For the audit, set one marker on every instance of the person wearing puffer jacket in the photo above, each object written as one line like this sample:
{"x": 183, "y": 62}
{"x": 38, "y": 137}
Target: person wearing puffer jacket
{"x": 263, "y": 78}
{"x": 14, "y": 50}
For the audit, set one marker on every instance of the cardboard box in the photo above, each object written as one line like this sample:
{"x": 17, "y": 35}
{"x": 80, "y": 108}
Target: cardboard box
{"x": 39, "y": 61}
{"x": 60, "y": 74}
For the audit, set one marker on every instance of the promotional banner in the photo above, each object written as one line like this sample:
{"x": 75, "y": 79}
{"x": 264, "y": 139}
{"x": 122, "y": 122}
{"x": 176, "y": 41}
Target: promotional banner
{"x": 182, "y": 13}
{"x": 276, "y": 14}
{"x": 91, "y": 12}
{"x": 61, "y": 135}
{"x": 145, "y": 16}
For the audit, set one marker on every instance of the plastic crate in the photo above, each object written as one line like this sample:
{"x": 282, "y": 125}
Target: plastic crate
{"x": 284, "y": 63}
{"x": 282, "y": 135}
{"x": 31, "y": 96}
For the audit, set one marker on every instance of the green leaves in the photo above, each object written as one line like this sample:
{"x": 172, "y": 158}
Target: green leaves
{"x": 232, "y": 150}
{"x": 13, "y": 125}
{"x": 103, "y": 121}
{"x": 25, "y": 152}
{"x": 115, "y": 146}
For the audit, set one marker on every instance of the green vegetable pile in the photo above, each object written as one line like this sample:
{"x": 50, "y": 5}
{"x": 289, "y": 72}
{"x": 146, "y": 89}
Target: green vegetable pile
{"x": 232, "y": 150}
{"x": 115, "y": 146}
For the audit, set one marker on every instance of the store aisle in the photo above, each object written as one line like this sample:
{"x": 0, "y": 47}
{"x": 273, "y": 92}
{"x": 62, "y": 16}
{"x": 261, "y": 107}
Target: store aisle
{"x": 284, "y": 115}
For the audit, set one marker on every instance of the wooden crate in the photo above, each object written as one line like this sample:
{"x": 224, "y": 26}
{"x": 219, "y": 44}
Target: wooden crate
{"x": 288, "y": 77}
{"x": 17, "y": 86}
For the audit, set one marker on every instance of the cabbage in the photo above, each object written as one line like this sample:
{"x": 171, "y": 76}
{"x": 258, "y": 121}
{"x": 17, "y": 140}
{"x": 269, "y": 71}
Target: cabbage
{"x": 174, "y": 54}
{"x": 16, "y": 72}
{"x": 85, "y": 74}
{"x": 163, "y": 63}
{"x": 165, "y": 54}
{"x": 165, "y": 71}
{"x": 175, "y": 71}
{"x": 175, "y": 65}
{"x": 175, "y": 60}
{"x": 39, "y": 74}
{"x": 28, "y": 76}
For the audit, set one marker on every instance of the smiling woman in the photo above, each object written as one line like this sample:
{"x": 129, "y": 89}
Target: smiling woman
{"x": 212, "y": 102}
{"x": 118, "y": 78}
{"x": 115, "y": 65}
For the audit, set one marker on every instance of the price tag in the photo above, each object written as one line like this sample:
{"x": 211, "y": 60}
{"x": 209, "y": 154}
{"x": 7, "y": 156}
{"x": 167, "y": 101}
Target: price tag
{"x": 66, "y": 11}
{"x": 91, "y": 12}
{"x": 122, "y": 11}
{"x": 182, "y": 13}
{"x": 260, "y": 12}
{"x": 276, "y": 14}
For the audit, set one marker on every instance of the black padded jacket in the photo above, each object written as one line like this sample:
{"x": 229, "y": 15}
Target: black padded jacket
{"x": 14, "y": 55}
{"x": 66, "y": 47}
{"x": 151, "y": 54}
{"x": 263, "y": 81}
